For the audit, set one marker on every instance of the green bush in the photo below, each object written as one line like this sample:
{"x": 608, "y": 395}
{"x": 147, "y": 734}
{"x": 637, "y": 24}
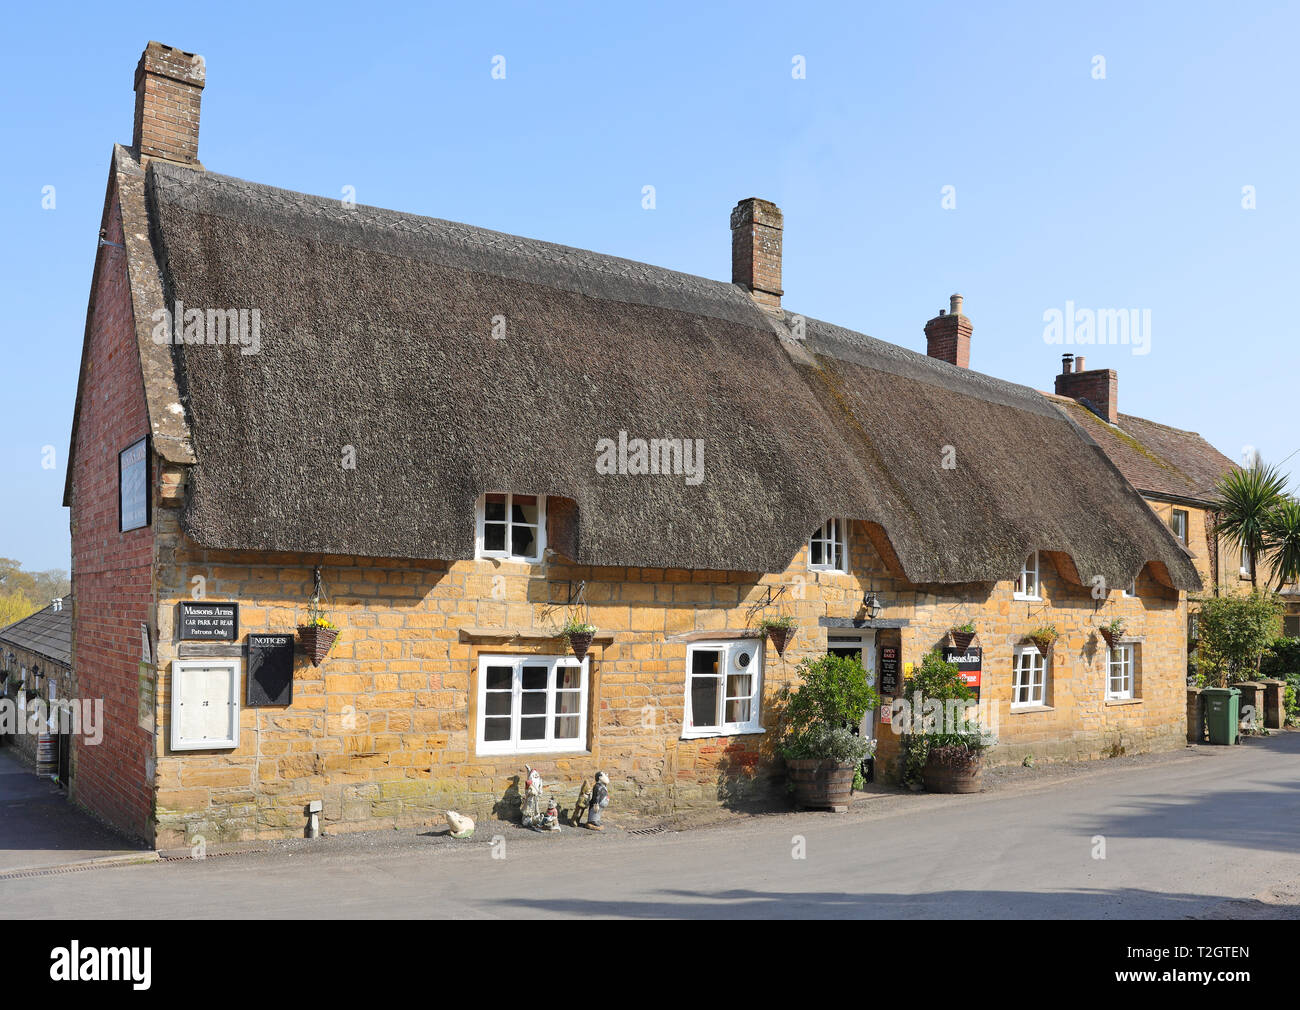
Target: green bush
{"x": 818, "y": 716}
{"x": 1234, "y": 633}
{"x": 1281, "y": 658}
{"x": 938, "y": 681}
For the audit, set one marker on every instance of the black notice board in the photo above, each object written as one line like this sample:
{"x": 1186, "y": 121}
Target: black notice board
{"x": 970, "y": 664}
{"x": 270, "y": 670}
{"x": 209, "y": 622}
{"x": 889, "y": 683}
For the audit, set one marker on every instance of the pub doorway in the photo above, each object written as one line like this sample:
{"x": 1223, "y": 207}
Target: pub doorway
{"x": 862, "y": 647}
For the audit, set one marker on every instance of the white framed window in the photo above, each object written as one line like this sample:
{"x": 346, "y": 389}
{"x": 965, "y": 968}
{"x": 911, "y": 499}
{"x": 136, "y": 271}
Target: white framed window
{"x": 1178, "y": 523}
{"x": 1245, "y": 561}
{"x": 828, "y": 548}
{"x": 205, "y": 704}
{"x": 1131, "y": 589}
{"x": 1027, "y": 586}
{"x": 1029, "y": 686}
{"x": 1119, "y": 673}
{"x": 511, "y": 526}
{"x": 723, "y": 688}
{"x": 531, "y": 704}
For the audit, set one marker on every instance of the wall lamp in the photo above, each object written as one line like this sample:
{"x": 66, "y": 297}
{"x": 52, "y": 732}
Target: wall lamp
{"x": 871, "y": 602}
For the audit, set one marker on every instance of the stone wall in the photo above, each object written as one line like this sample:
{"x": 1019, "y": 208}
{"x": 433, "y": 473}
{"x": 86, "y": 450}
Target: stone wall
{"x": 383, "y": 731}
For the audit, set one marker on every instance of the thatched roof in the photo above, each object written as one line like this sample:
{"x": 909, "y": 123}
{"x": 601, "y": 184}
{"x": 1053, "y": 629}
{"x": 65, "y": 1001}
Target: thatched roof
{"x": 377, "y": 334}
{"x": 1158, "y": 460}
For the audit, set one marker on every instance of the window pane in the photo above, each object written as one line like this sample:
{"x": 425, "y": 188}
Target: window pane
{"x": 534, "y": 702}
{"x": 816, "y": 555}
{"x": 494, "y": 537}
{"x": 704, "y": 700}
{"x": 739, "y": 685}
{"x": 523, "y": 509}
{"x": 494, "y": 508}
{"x": 497, "y": 703}
{"x": 704, "y": 661}
{"x": 523, "y": 541}
{"x": 738, "y": 710}
{"x": 535, "y": 678}
{"x": 567, "y": 702}
{"x": 568, "y": 678}
{"x": 566, "y": 727}
{"x": 533, "y": 728}
{"x": 496, "y": 729}
{"x": 499, "y": 678}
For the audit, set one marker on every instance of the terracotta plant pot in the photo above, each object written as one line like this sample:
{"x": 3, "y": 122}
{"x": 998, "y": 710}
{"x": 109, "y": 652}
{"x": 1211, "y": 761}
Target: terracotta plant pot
{"x": 962, "y": 639}
{"x": 580, "y": 642}
{"x": 955, "y": 771}
{"x": 316, "y": 641}
{"x": 822, "y": 783}
{"x": 780, "y": 637}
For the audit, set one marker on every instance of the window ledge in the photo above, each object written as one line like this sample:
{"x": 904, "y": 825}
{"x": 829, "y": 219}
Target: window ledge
{"x": 705, "y": 734}
{"x": 1026, "y": 709}
{"x": 1021, "y": 597}
{"x": 1123, "y": 701}
{"x": 539, "y": 754}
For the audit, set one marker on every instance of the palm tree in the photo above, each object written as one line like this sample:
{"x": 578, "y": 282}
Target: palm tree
{"x": 1282, "y": 541}
{"x": 1245, "y": 497}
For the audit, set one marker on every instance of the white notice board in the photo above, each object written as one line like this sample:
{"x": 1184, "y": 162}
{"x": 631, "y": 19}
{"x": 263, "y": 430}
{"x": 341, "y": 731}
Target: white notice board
{"x": 205, "y": 704}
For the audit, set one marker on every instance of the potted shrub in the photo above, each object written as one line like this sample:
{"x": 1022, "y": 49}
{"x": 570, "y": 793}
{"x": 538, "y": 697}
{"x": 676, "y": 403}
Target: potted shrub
{"x": 817, "y": 738}
{"x": 963, "y": 635}
{"x": 943, "y": 750}
{"x": 317, "y": 637}
{"x": 578, "y": 635}
{"x": 1043, "y": 636}
{"x": 779, "y": 631}
{"x": 1113, "y": 631}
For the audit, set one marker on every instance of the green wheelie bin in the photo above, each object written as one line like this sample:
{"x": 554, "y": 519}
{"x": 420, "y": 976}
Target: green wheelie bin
{"x": 1221, "y": 714}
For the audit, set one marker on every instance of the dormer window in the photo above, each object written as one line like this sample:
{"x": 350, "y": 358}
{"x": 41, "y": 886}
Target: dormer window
{"x": 511, "y": 527}
{"x": 828, "y": 548}
{"x": 1178, "y": 523}
{"x": 1027, "y": 587}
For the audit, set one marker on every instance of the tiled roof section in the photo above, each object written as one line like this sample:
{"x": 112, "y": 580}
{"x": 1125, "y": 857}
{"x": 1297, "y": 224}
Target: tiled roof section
{"x": 47, "y": 633}
{"x": 1155, "y": 458}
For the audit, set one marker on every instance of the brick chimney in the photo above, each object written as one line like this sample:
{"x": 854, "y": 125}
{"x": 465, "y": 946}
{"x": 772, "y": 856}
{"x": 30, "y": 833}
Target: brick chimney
{"x": 948, "y": 336}
{"x": 1097, "y": 388}
{"x": 168, "y": 88}
{"x": 756, "y": 227}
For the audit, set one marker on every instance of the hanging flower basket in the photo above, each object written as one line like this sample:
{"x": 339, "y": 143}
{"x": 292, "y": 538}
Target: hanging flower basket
{"x": 579, "y": 636}
{"x": 961, "y": 638}
{"x": 779, "y": 631}
{"x": 1112, "y": 632}
{"x": 580, "y": 642}
{"x": 317, "y": 640}
{"x": 1044, "y": 638}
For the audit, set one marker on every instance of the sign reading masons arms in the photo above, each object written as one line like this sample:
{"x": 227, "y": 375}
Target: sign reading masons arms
{"x": 969, "y": 663}
{"x": 209, "y": 622}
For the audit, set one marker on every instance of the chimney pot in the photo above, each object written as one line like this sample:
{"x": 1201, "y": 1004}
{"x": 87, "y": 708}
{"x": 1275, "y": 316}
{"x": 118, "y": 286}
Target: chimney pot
{"x": 955, "y": 302}
{"x": 757, "y": 229}
{"x": 1078, "y": 363}
{"x": 1066, "y": 360}
{"x": 168, "y": 89}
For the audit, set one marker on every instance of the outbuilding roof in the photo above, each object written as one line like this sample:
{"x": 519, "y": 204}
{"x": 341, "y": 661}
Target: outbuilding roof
{"x": 452, "y": 360}
{"x": 47, "y": 633}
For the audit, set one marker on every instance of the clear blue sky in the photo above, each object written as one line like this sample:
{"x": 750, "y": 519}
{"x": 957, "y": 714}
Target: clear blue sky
{"x": 1124, "y": 192}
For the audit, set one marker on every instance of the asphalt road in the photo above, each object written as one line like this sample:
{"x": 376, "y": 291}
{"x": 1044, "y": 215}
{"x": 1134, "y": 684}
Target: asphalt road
{"x": 1206, "y": 833}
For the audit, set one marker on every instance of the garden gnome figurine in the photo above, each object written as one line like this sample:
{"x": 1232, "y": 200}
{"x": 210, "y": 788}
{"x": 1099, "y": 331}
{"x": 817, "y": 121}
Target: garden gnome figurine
{"x": 532, "y": 809}
{"x": 599, "y": 801}
{"x": 551, "y": 822}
